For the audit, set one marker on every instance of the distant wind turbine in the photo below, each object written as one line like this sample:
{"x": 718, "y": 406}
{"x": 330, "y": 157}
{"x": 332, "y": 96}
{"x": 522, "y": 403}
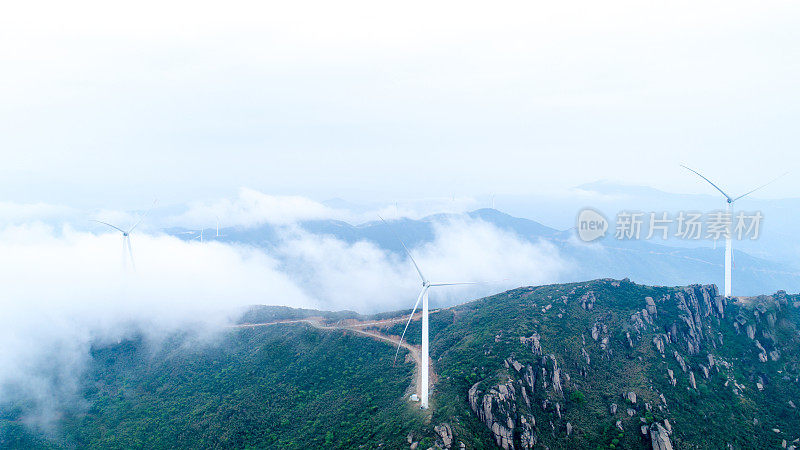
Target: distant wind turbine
{"x": 423, "y": 296}
{"x": 198, "y": 234}
{"x": 219, "y": 235}
{"x": 126, "y": 236}
{"x": 728, "y": 238}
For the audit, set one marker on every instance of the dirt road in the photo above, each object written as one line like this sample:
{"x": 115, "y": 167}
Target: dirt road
{"x": 357, "y": 327}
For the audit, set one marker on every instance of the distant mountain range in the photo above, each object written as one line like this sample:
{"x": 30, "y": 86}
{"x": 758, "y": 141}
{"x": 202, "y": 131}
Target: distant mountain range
{"x": 643, "y": 261}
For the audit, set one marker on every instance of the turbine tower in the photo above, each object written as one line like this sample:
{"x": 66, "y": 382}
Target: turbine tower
{"x": 126, "y": 236}
{"x": 423, "y": 296}
{"x": 728, "y": 237}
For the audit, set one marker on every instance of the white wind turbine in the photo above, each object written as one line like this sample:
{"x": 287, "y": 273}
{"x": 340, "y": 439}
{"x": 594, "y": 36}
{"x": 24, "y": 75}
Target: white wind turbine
{"x": 728, "y": 237}
{"x": 219, "y": 235}
{"x": 126, "y": 236}
{"x": 423, "y": 296}
{"x": 198, "y": 233}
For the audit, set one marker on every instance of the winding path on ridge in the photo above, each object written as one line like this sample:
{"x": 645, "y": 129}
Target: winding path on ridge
{"x": 357, "y": 326}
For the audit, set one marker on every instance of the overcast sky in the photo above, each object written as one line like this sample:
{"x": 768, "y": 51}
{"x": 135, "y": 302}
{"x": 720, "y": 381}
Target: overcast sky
{"x": 106, "y": 104}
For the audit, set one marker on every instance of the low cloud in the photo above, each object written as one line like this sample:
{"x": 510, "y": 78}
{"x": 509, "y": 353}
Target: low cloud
{"x": 251, "y": 208}
{"x": 66, "y": 290}
{"x": 19, "y": 213}
{"x": 470, "y": 250}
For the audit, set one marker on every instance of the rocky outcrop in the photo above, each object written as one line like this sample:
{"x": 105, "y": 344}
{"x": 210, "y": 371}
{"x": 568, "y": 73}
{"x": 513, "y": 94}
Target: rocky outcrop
{"x": 658, "y": 341}
{"x": 585, "y": 354}
{"x": 671, "y": 376}
{"x": 556, "y": 376}
{"x": 497, "y": 409}
{"x": 762, "y": 355}
{"x": 650, "y": 306}
{"x": 445, "y": 434}
{"x": 697, "y": 304}
{"x": 587, "y": 301}
{"x": 527, "y": 435}
{"x": 680, "y": 360}
{"x": 529, "y": 377}
{"x": 533, "y": 342}
{"x": 511, "y": 363}
{"x": 659, "y": 437}
{"x": 595, "y": 331}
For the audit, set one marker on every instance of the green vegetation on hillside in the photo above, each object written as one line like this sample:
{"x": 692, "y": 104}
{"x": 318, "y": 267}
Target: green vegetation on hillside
{"x": 278, "y": 386}
{"x": 571, "y": 353}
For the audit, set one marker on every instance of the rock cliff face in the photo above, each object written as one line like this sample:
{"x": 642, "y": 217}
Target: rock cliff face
{"x": 659, "y": 437}
{"x": 506, "y": 409}
{"x": 497, "y": 409}
{"x": 445, "y": 434}
{"x": 698, "y": 305}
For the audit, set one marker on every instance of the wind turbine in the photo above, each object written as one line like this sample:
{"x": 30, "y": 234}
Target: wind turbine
{"x": 126, "y": 236}
{"x": 198, "y": 233}
{"x": 728, "y": 237}
{"x": 219, "y": 235}
{"x": 423, "y": 296}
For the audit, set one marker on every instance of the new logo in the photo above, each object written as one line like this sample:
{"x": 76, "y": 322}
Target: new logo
{"x": 591, "y": 225}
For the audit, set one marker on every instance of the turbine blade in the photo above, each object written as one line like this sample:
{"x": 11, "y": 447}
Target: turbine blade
{"x": 143, "y": 216}
{"x": 763, "y": 185}
{"x": 457, "y": 283}
{"x": 112, "y": 226}
{"x": 709, "y": 182}
{"x": 404, "y": 248}
{"x": 421, "y": 293}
